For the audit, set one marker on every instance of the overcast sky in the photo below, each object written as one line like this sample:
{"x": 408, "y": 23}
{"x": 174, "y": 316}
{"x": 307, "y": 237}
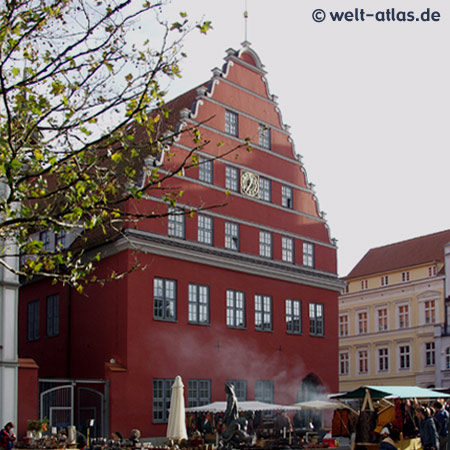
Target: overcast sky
{"x": 368, "y": 103}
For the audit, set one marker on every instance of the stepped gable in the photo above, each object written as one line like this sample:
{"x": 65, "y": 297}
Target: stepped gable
{"x": 411, "y": 252}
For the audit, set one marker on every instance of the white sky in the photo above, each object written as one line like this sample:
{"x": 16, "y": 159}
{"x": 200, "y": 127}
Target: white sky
{"x": 368, "y": 104}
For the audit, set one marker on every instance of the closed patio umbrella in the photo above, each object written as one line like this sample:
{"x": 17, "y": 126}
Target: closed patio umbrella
{"x": 176, "y": 427}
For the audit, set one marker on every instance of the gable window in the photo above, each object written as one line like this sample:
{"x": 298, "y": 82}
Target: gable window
{"x": 362, "y": 322}
{"x": 199, "y": 392}
{"x": 205, "y": 170}
{"x": 265, "y": 244}
{"x": 231, "y": 179}
{"x": 235, "y": 309}
{"x": 430, "y": 311}
{"x": 164, "y": 299}
{"x": 264, "y": 136}
{"x": 232, "y": 236}
{"x": 405, "y": 277}
{"x": 265, "y": 189}
{"x": 205, "y": 229}
{"x": 44, "y": 237}
{"x": 198, "y": 304}
{"x": 263, "y": 312}
{"x": 287, "y": 249}
{"x": 60, "y": 239}
{"x": 344, "y": 363}
{"x": 308, "y": 254}
{"x": 432, "y": 271}
{"x": 383, "y": 359}
{"x": 240, "y": 389}
{"x": 231, "y": 123}
{"x": 316, "y": 319}
{"x": 403, "y": 316}
{"x": 287, "y": 197}
{"x": 33, "y": 320}
{"x": 293, "y": 316}
{"x": 162, "y": 393}
{"x": 363, "y": 361}
{"x": 176, "y": 223}
{"x": 404, "y": 357}
{"x": 364, "y": 284}
{"x": 52, "y": 315}
{"x": 384, "y": 281}
{"x": 382, "y": 319}
{"x": 343, "y": 325}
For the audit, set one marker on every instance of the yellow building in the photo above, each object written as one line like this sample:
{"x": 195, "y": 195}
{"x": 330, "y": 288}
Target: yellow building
{"x": 393, "y": 300}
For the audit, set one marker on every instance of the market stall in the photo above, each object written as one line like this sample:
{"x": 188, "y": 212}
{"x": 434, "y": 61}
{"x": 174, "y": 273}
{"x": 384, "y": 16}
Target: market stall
{"x": 387, "y": 405}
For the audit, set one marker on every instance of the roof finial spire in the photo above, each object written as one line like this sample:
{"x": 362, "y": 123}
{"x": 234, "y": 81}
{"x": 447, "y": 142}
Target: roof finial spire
{"x": 245, "y": 21}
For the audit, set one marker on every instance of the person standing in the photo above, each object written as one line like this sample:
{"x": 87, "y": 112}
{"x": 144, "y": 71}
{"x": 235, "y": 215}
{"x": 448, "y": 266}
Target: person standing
{"x": 428, "y": 434}
{"x": 441, "y": 417}
{"x": 7, "y": 436}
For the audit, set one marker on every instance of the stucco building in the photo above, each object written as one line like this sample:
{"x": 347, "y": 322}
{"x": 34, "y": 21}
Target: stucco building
{"x": 392, "y": 303}
{"x": 246, "y": 292}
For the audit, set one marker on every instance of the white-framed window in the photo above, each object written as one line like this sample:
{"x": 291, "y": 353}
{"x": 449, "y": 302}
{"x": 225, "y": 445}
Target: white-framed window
{"x": 383, "y": 359}
{"x": 432, "y": 271}
{"x": 293, "y": 309}
{"x": 384, "y": 280}
{"x": 205, "y": 229}
{"x": 447, "y": 358}
{"x": 199, "y": 392}
{"x": 404, "y": 353}
{"x": 235, "y": 309}
{"x": 263, "y": 312}
{"x": 264, "y": 136}
{"x": 176, "y": 223}
{"x": 205, "y": 170}
{"x": 343, "y": 325}
{"x": 162, "y": 393}
{"x": 429, "y": 354}
{"x": 316, "y": 319}
{"x": 362, "y": 322}
{"x": 265, "y": 244}
{"x": 363, "y": 361}
{"x": 344, "y": 363}
{"x": 382, "y": 319}
{"x": 364, "y": 284}
{"x": 265, "y": 189}
{"x": 198, "y": 304}
{"x": 287, "y": 197}
{"x": 287, "y": 249}
{"x": 405, "y": 277}
{"x": 308, "y": 254}
{"x": 232, "y": 236}
{"x": 403, "y": 316}
{"x": 430, "y": 311}
{"x": 164, "y": 299}
{"x": 232, "y": 178}
{"x": 231, "y": 123}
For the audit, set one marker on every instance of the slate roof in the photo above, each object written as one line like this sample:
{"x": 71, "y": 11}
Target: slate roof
{"x": 412, "y": 252}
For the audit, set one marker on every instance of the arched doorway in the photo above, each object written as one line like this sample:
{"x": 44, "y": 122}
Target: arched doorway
{"x": 311, "y": 388}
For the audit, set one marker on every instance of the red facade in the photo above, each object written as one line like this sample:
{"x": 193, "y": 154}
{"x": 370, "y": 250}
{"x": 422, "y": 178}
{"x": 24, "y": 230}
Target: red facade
{"x": 135, "y": 336}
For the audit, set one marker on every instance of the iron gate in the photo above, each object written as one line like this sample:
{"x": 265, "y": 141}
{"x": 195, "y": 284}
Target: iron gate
{"x": 75, "y": 402}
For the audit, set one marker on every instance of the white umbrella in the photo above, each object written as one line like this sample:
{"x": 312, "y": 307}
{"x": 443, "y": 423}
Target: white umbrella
{"x": 176, "y": 428}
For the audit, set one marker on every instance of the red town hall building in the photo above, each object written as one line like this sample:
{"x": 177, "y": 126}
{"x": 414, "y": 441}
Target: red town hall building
{"x": 246, "y": 292}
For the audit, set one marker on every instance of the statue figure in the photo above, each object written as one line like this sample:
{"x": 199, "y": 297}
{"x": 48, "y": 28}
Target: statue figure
{"x": 235, "y": 432}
